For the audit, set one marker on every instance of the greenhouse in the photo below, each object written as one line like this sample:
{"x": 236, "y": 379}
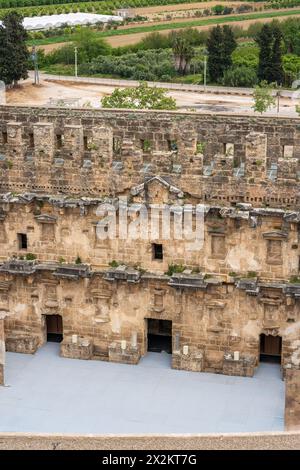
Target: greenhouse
{"x": 38, "y": 23}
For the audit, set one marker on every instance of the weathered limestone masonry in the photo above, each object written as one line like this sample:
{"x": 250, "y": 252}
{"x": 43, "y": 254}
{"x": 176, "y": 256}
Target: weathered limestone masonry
{"x": 242, "y": 286}
{"x": 292, "y": 401}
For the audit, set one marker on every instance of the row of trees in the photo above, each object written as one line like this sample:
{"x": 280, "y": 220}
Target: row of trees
{"x": 222, "y": 43}
{"x": 14, "y": 54}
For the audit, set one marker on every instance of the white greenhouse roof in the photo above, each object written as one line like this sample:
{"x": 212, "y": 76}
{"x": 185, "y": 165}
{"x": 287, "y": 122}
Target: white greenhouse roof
{"x": 70, "y": 19}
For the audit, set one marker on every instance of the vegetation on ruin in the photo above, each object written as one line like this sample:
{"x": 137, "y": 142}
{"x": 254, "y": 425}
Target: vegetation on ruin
{"x": 113, "y": 263}
{"x": 175, "y": 268}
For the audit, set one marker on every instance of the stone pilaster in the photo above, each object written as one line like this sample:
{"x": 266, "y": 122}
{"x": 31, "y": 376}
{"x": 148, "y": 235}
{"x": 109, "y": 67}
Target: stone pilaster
{"x": 292, "y": 400}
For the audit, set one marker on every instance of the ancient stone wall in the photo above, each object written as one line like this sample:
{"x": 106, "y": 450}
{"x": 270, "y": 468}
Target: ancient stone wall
{"x": 57, "y": 167}
{"x": 2, "y": 351}
{"x": 105, "y": 315}
{"x": 292, "y": 401}
{"x": 220, "y": 159}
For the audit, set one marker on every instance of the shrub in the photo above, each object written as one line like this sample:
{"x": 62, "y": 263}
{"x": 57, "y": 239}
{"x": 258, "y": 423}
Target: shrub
{"x": 241, "y": 76}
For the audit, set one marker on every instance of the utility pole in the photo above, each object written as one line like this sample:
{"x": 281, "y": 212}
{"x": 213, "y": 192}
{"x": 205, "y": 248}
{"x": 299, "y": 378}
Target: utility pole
{"x": 204, "y": 72}
{"x": 36, "y": 68}
{"x": 278, "y": 101}
{"x": 76, "y": 64}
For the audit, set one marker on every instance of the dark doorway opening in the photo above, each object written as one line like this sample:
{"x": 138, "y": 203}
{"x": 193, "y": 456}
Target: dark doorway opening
{"x": 159, "y": 335}
{"x": 54, "y": 328}
{"x": 270, "y": 348}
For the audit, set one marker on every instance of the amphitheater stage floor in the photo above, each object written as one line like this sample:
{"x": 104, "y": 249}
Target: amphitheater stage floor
{"x": 45, "y": 393}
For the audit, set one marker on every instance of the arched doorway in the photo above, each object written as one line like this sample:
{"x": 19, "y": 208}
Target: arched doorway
{"x": 270, "y": 348}
{"x": 54, "y": 328}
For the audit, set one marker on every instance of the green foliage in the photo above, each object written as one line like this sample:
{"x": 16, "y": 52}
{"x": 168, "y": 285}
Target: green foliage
{"x": 8, "y": 164}
{"x": 183, "y": 52}
{"x": 141, "y": 97}
{"x": 142, "y": 65}
{"x": 155, "y": 41}
{"x": 146, "y": 145}
{"x": 252, "y": 274}
{"x": 291, "y": 35}
{"x": 30, "y": 257}
{"x": 294, "y": 280}
{"x": 220, "y": 46}
{"x": 113, "y": 264}
{"x": 232, "y": 274}
{"x": 89, "y": 46}
{"x": 175, "y": 268}
{"x": 61, "y": 260}
{"x": 13, "y": 51}
{"x": 246, "y": 55}
{"x": 78, "y": 260}
{"x": 241, "y": 76}
{"x": 263, "y": 97}
{"x": 200, "y": 147}
{"x": 269, "y": 41}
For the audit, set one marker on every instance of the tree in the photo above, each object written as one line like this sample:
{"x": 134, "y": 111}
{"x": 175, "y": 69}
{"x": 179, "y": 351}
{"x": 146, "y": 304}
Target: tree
{"x": 14, "y": 54}
{"x": 214, "y": 49}
{"x": 220, "y": 46}
{"x": 228, "y": 46}
{"x": 263, "y": 97}
{"x": 277, "y": 74}
{"x": 218, "y": 9}
{"x": 183, "y": 53}
{"x": 141, "y": 97}
{"x": 89, "y": 46}
{"x": 270, "y": 67}
{"x": 264, "y": 40}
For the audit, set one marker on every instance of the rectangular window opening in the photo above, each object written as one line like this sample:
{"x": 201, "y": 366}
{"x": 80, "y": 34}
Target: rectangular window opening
{"x": 172, "y": 145}
{"x": 4, "y": 137}
{"x": 157, "y": 251}
{"x": 22, "y": 241}
{"x": 85, "y": 142}
{"x": 31, "y": 140}
{"x": 59, "y": 141}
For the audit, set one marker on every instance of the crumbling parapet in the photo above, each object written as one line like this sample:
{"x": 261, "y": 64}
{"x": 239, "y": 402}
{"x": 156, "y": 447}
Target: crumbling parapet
{"x": 292, "y": 400}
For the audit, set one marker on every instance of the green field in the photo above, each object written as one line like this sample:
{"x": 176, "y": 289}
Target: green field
{"x": 166, "y": 26}
{"x": 51, "y": 7}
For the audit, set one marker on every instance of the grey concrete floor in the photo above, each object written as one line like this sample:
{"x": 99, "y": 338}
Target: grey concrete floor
{"x": 47, "y": 393}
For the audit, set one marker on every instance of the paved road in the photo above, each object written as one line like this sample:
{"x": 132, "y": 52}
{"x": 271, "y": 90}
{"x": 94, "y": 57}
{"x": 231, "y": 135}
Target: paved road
{"x": 88, "y": 92}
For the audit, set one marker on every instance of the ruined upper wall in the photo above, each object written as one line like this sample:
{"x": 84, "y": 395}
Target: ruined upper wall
{"x": 220, "y": 159}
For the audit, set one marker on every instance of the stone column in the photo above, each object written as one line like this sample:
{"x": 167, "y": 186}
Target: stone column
{"x": 2, "y": 350}
{"x": 292, "y": 400}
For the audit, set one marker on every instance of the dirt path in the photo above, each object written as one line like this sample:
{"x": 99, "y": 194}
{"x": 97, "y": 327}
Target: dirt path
{"x": 128, "y": 39}
{"x": 190, "y": 6}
